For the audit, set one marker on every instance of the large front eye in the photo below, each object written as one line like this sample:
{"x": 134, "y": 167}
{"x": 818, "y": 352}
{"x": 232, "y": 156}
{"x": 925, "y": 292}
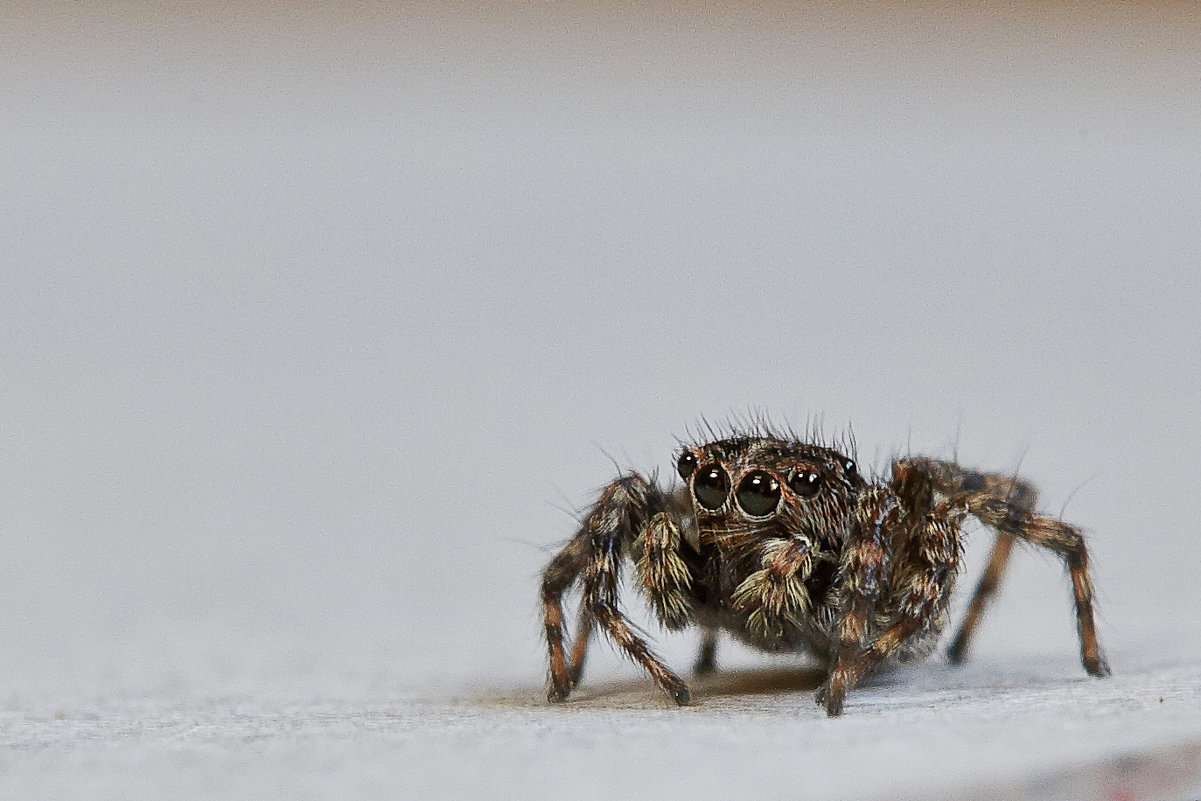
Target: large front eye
{"x": 711, "y": 486}
{"x": 805, "y": 483}
{"x": 758, "y": 493}
{"x": 685, "y": 465}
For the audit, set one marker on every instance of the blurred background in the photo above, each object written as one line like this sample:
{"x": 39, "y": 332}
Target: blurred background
{"x": 320, "y": 321}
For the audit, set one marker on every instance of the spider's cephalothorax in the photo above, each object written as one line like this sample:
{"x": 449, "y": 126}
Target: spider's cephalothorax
{"x": 785, "y": 545}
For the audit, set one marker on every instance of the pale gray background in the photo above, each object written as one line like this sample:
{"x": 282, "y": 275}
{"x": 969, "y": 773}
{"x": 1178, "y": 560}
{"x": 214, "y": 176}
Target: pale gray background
{"x": 315, "y": 319}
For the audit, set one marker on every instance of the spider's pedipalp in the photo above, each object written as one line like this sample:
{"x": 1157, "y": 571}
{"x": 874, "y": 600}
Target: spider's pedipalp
{"x": 662, "y": 573}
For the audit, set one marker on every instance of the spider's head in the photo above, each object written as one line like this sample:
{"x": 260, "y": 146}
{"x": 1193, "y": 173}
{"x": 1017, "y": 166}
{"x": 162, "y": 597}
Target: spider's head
{"x": 747, "y": 489}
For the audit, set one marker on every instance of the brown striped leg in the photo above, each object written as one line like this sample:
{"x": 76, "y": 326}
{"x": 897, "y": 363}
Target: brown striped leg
{"x": 923, "y": 582}
{"x": 983, "y": 594}
{"x": 619, "y": 630}
{"x": 557, "y": 578}
{"x": 949, "y": 478}
{"x": 622, "y": 508}
{"x": 864, "y": 574}
{"x": 580, "y": 649}
{"x": 1065, "y": 540}
{"x": 706, "y": 660}
{"x": 594, "y": 557}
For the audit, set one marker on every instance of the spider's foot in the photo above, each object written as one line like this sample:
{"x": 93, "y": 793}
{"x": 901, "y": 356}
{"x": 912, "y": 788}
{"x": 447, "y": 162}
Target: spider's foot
{"x": 957, "y": 653}
{"x": 573, "y": 677}
{"x": 557, "y": 694}
{"x": 678, "y": 691}
{"x": 1097, "y": 667}
{"x": 704, "y": 667}
{"x": 830, "y": 698}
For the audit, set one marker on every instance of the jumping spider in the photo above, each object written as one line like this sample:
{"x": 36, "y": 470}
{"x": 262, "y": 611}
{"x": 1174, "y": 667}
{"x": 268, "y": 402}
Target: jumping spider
{"x": 784, "y": 544}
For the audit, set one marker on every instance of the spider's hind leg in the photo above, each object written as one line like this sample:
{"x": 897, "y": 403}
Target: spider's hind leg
{"x": 985, "y": 590}
{"x": 1063, "y": 539}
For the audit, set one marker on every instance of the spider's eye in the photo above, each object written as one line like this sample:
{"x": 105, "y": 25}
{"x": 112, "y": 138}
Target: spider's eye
{"x": 711, "y": 486}
{"x": 758, "y": 493}
{"x": 850, "y": 467}
{"x": 805, "y": 483}
{"x": 685, "y": 465}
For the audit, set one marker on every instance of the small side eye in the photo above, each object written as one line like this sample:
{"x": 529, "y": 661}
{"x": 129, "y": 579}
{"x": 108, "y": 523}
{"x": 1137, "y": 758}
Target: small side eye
{"x": 805, "y": 483}
{"x": 711, "y": 486}
{"x": 850, "y": 467}
{"x": 758, "y": 494}
{"x": 685, "y": 465}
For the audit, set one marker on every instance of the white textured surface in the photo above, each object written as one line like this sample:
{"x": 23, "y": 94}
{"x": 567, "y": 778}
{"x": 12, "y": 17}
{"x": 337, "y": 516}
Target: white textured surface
{"x": 312, "y": 316}
{"x": 938, "y": 733}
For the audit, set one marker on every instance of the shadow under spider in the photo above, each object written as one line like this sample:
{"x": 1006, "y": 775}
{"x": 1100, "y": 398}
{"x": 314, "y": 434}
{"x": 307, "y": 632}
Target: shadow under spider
{"x": 637, "y": 692}
{"x": 757, "y": 681}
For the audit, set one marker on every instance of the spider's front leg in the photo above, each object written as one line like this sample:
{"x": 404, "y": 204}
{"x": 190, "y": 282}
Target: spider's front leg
{"x": 629, "y": 510}
{"x": 918, "y": 585}
{"x": 864, "y": 573}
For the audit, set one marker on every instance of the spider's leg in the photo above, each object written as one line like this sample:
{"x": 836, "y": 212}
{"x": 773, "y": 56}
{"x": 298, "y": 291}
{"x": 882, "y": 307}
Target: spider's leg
{"x": 920, "y": 585}
{"x": 594, "y": 557}
{"x": 985, "y": 589}
{"x": 864, "y": 577}
{"x": 950, "y": 479}
{"x": 912, "y": 476}
{"x": 1063, "y": 539}
{"x": 663, "y": 575}
{"x": 621, "y": 511}
{"x": 562, "y": 572}
{"x": 580, "y": 648}
{"x": 706, "y": 660}
{"x": 933, "y": 561}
